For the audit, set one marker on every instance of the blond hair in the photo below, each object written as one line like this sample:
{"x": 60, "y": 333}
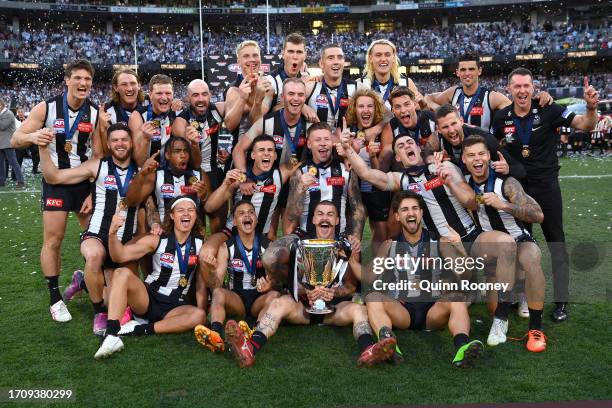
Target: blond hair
{"x": 379, "y": 106}
{"x": 246, "y": 43}
{"x": 369, "y": 67}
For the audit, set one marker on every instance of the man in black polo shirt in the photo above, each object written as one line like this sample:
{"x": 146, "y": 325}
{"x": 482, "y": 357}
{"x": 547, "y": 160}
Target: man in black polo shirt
{"x": 529, "y": 133}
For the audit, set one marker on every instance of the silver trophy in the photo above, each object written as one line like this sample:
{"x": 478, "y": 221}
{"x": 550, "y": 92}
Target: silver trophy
{"x": 321, "y": 265}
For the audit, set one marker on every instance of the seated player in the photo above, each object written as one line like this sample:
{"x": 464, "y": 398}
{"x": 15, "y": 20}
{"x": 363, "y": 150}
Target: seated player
{"x": 285, "y": 308}
{"x": 249, "y": 289}
{"x": 504, "y": 206}
{"x": 421, "y": 311}
{"x": 111, "y": 176}
{"x": 161, "y": 299}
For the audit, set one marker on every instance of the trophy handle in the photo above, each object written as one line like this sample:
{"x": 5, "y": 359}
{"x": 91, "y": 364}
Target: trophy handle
{"x": 339, "y": 270}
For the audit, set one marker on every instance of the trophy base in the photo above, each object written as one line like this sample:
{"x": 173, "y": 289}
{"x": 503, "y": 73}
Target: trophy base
{"x": 326, "y": 310}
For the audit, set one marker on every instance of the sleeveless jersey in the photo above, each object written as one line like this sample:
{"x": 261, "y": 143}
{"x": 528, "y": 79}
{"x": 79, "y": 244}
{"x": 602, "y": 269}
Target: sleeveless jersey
{"x": 208, "y": 127}
{"x": 240, "y": 278}
{"x": 118, "y": 113}
{"x": 326, "y": 106}
{"x": 272, "y": 126}
{"x": 168, "y": 186}
{"x": 475, "y": 109}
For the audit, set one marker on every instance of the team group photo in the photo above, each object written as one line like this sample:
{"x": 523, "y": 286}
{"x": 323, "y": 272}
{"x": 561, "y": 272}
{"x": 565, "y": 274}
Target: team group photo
{"x": 361, "y": 204}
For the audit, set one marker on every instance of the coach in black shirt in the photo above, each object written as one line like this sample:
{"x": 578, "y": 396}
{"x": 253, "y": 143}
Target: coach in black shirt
{"x": 529, "y": 133}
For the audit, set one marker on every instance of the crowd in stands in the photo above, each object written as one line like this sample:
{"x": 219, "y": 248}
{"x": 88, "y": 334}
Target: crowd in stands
{"x": 41, "y": 45}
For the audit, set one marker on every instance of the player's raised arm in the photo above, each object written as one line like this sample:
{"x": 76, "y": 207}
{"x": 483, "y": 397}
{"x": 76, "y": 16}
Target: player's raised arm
{"x": 74, "y": 175}
{"x": 588, "y": 121}
{"x": 244, "y": 141}
{"x": 133, "y": 250}
{"x": 224, "y": 192}
{"x": 520, "y": 205}
{"x": 143, "y": 183}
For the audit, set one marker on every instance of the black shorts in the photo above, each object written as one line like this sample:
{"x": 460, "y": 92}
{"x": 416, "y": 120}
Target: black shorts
{"x": 108, "y": 261}
{"x": 318, "y": 318}
{"x": 468, "y": 240}
{"x": 158, "y": 308}
{"x": 525, "y": 238}
{"x": 61, "y": 197}
{"x": 248, "y": 297}
{"x": 283, "y": 196}
{"x": 377, "y": 204}
{"x": 418, "y": 313}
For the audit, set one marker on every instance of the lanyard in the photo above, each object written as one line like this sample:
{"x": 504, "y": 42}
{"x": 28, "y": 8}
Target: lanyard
{"x": 293, "y": 141}
{"x": 251, "y": 266}
{"x": 69, "y": 132}
{"x": 336, "y": 107}
{"x": 387, "y": 91}
{"x": 120, "y": 186}
{"x": 416, "y": 133}
{"x": 264, "y": 176}
{"x": 466, "y": 114}
{"x": 490, "y": 183}
{"x": 524, "y": 133}
{"x": 150, "y": 114}
{"x": 122, "y": 113}
{"x": 183, "y": 259}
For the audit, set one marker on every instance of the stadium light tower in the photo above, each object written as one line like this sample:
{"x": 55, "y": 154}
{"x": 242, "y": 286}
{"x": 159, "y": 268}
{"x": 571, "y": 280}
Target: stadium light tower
{"x": 201, "y": 44}
{"x": 267, "y": 28}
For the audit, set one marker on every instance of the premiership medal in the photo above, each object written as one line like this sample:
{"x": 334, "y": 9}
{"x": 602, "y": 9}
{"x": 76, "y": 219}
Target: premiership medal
{"x": 525, "y": 151}
{"x": 312, "y": 170}
{"x": 123, "y": 204}
{"x": 183, "y": 282}
{"x": 479, "y": 199}
{"x": 293, "y": 161}
{"x": 253, "y": 280}
{"x": 156, "y": 123}
{"x": 242, "y": 178}
{"x": 193, "y": 180}
{"x": 68, "y": 146}
{"x": 360, "y": 135}
{"x": 195, "y": 124}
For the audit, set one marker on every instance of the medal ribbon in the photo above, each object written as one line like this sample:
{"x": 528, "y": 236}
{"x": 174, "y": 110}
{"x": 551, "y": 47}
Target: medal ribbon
{"x": 151, "y": 116}
{"x": 128, "y": 176}
{"x": 490, "y": 186}
{"x": 183, "y": 259}
{"x": 390, "y": 85}
{"x": 293, "y": 141}
{"x": 122, "y": 112}
{"x": 334, "y": 108}
{"x": 466, "y": 115}
{"x": 250, "y": 266}
{"x": 69, "y": 132}
{"x": 264, "y": 176}
{"x": 524, "y": 133}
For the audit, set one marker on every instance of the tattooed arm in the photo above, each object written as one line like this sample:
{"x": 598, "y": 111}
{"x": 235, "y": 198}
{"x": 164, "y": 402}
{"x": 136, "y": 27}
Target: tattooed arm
{"x": 522, "y": 206}
{"x": 298, "y": 185}
{"x": 276, "y": 258}
{"x": 357, "y": 209}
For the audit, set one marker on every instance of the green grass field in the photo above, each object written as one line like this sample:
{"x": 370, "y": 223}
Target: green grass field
{"x": 303, "y": 366}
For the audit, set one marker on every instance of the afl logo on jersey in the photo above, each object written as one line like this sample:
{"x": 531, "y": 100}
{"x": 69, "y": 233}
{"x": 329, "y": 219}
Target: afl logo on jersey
{"x": 166, "y": 260}
{"x": 321, "y": 101}
{"x": 58, "y": 124}
{"x": 414, "y": 187}
{"x": 237, "y": 264}
{"x": 314, "y": 187}
{"x": 279, "y": 141}
{"x": 167, "y": 190}
{"x": 110, "y": 183}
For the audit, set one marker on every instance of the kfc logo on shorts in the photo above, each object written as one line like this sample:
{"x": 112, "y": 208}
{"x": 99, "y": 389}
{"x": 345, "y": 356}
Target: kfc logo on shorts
{"x": 335, "y": 181}
{"x": 58, "y": 124}
{"x": 477, "y": 111}
{"x": 85, "y": 127}
{"x": 167, "y": 190}
{"x": 269, "y": 189}
{"x": 166, "y": 260}
{"x": 54, "y": 202}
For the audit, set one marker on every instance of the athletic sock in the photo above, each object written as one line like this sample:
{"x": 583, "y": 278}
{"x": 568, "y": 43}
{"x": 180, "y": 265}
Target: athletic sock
{"x": 385, "y": 332}
{"x": 535, "y": 319}
{"x": 460, "y": 339}
{"x": 112, "y": 327}
{"x": 258, "y": 340}
{"x": 144, "y": 329}
{"x": 364, "y": 341}
{"x": 54, "y": 293}
{"x": 98, "y": 307}
{"x": 218, "y": 327}
{"x": 503, "y": 310}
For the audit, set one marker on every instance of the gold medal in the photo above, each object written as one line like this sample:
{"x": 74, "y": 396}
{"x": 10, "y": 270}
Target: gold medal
{"x": 123, "y": 204}
{"x": 68, "y": 146}
{"x": 312, "y": 170}
{"x": 360, "y": 135}
{"x": 479, "y": 199}
{"x": 183, "y": 282}
{"x": 293, "y": 161}
{"x": 193, "y": 180}
{"x": 525, "y": 152}
{"x": 195, "y": 124}
{"x": 243, "y": 178}
{"x": 156, "y": 123}
{"x": 253, "y": 280}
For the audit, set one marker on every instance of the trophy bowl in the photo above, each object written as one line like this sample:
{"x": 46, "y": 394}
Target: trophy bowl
{"x": 318, "y": 259}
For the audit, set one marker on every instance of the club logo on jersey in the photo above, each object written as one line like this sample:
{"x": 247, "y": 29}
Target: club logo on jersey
{"x": 212, "y": 130}
{"x": 279, "y": 141}
{"x": 58, "y": 124}
{"x": 344, "y": 102}
{"x": 477, "y": 111}
{"x": 193, "y": 259}
{"x": 110, "y": 183}
{"x": 321, "y": 101}
{"x": 188, "y": 190}
{"x": 335, "y": 181}
{"x": 54, "y": 202}
{"x": 166, "y": 260}
{"x": 85, "y": 127}
{"x": 414, "y": 187}
{"x": 269, "y": 189}
{"x": 167, "y": 190}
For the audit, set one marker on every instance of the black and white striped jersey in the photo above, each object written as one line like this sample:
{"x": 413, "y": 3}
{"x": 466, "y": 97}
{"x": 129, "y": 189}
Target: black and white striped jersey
{"x": 442, "y": 208}
{"x": 332, "y": 184}
{"x": 425, "y": 127}
{"x": 383, "y": 89}
{"x": 273, "y": 126}
{"x": 208, "y": 127}
{"x": 106, "y": 199}
{"x": 276, "y": 78}
{"x": 168, "y": 186}
{"x": 240, "y": 277}
{"x": 475, "y": 109}
{"x": 166, "y": 280}
{"x": 265, "y": 199}
{"x": 324, "y": 100}
{"x": 71, "y": 152}
{"x": 163, "y": 124}
{"x": 490, "y": 218}
{"x": 119, "y": 113}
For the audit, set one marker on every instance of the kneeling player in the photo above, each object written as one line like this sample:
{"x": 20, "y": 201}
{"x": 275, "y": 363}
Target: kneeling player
{"x": 161, "y": 298}
{"x": 385, "y": 311}
{"x": 504, "y": 206}
{"x": 250, "y": 290}
{"x": 286, "y": 308}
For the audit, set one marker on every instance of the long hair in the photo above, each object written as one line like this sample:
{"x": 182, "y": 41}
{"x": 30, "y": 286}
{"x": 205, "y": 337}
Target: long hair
{"x": 168, "y": 223}
{"x": 115, "y": 95}
{"x": 395, "y": 64}
{"x": 379, "y": 106}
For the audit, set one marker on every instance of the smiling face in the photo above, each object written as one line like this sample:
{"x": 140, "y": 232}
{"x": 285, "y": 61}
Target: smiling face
{"x": 120, "y": 145}
{"x": 451, "y": 128}
{"x": 365, "y": 108}
{"x": 249, "y": 59}
{"x": 245, "y": 218}
{"x": 178, "y": 155}
{"x": 263, "y": 154}
{"x": 293, "y": 58}
{"x": 127, "y": 87}
{"x": 332, "y": 63}
{"x": 408, "y": 151}
{"x": 320, "y": 144}
{"x": 382, "y": 57}
{"x": 199, "y": 97}
{"x": 79, "y": 83}
{"x": 184, "y": 215}
{"x": 404, "y": 109}
{"x": 161, "y": 97}
{"x": 294, "y": 97}
{"x": 521, "y": 88}
{"x": 409, "y": 215}
{"x": 476, "y": 159}
{"x": 468, "y": 72}
{"x": 325, "y": 219}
